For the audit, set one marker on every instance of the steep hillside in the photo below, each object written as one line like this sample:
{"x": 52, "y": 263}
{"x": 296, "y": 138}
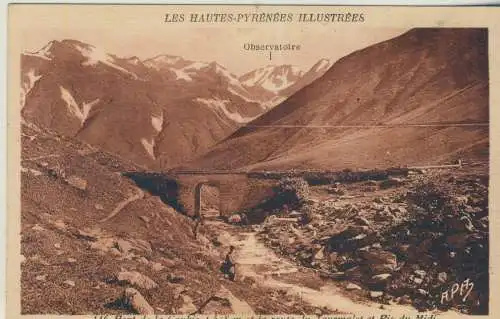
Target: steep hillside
{"x": 420, "y": 98}
{"x": 89, "y": 236}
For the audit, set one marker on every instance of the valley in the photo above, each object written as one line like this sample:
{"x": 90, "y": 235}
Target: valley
{"x": 354, "y": 187}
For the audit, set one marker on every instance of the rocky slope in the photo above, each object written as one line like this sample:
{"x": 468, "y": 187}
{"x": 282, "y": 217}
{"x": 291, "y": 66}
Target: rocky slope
{"x": 93, "y": 242}
{"x": 399, "y": 102}
{"x": 402, "y": 240}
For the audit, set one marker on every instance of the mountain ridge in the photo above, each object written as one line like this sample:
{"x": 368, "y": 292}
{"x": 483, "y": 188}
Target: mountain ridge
{"x": 424, "y": 75}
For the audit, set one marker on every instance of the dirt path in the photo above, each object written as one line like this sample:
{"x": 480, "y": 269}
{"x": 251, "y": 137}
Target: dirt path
{"x": 122, "y": 205}
{"x": 263, "y": 265}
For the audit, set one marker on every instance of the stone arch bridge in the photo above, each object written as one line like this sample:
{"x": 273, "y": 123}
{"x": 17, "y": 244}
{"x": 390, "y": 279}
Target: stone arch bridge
{"x": 238, "y": 190}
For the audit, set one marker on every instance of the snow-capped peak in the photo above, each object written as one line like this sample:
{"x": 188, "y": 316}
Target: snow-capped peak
{"x": 44, "y": 53}
{"x": 273, "y": 78}
{"x": 95, "y": 55}
{"x": 134, "y": 60}
{"x": 164, "y": 59}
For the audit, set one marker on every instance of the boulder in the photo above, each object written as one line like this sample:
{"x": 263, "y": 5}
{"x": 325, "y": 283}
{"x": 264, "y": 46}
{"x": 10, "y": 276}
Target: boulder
{"x": 115, "y": 252}
{"x": 136, "y": 301}
{"x": 38, "y": 228}
{"x": 168, "y": 262}
{"x": 320, "y": 255}
{"x": 405, "y": 300}
{"x": 142, "y": 245}
{"x": 442, "y": 277}
{"x": 422, "y": 292}
{"x": 376, "y": 294}
{"x": 332, "y": 258}
{"x": 59, "y": 224}
{"x": 351, "y": 286}
{"x": 354, "y": 273}
{"x": 156, "y": 266}
{"x": 382, "y": 278}
{"x": 360, "y": 220}
{"x": 77, "y": 182}
{"x": 137, "y": 279}
{"x": 123, "y": 246}
{"x": 379, "y": 261}
{"x": 187, "y": 307}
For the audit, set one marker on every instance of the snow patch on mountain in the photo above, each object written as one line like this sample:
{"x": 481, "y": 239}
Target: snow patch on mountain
{"x": 157, "y": 122}
{"x": 83, "y": 113}
{"x": 32, "y": 78}
{"x": 134, "y": 60}
{"x": 273, "y": 102}
{"x": 44, "y": 53}
{"x": 246, "y": 98}
{"x": 233, "y": 80}
{"x": 168, "y": 59}
{"x": 181, "y": 75}
{"x": 149, "y": 147}
{"x": 95, "y": 55}
{"x": 321, "y": 65}
{"x": 276, "y": 84}
{"x": 196, "y": 66}
{"x": 220, "y": 105}
{"x": 165, "y": 61}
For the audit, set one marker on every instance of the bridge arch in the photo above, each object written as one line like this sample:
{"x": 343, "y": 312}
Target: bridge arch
{"x": 237, "y": 191}
{"x": 198, "y": 195}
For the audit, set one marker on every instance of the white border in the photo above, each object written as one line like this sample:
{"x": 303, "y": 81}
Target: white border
{"x": 3, "y": 156}
{"x": 3, "y": 77}
{"x": 284, "y": 2}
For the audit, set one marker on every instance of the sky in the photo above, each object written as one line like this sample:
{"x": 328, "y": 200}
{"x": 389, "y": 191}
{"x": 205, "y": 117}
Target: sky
{"x": 142, "y": 32}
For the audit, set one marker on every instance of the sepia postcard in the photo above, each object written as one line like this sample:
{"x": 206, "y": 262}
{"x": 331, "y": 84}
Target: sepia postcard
{"x": 244, "y": 161}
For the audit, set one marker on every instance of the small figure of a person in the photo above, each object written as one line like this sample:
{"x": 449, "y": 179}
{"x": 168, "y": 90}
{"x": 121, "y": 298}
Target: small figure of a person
{"x": 244, "y": 219}
{"x": 228, "y": 267}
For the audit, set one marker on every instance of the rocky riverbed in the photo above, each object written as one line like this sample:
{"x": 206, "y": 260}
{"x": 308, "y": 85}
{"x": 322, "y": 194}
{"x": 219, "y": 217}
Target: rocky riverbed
{"x": 421, "y": 239}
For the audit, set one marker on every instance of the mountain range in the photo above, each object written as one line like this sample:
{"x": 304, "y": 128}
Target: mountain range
{"x": 157, "y": 112}
{"x": 418, "y": 99}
